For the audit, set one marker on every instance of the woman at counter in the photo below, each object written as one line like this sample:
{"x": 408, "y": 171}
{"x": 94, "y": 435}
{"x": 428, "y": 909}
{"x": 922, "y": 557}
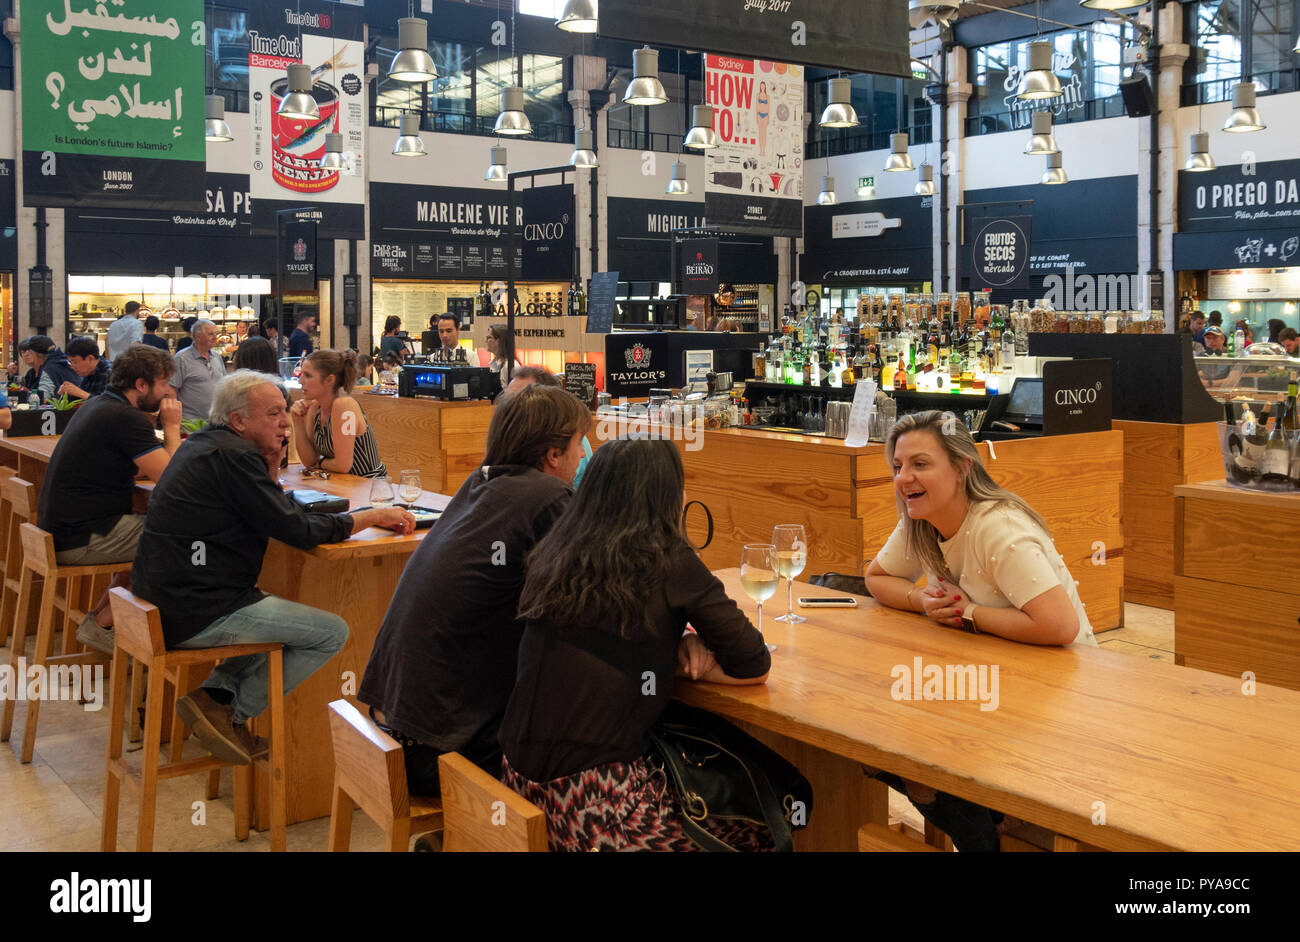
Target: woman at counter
{"x": 501, "y": 344}
{"x": 390, "y": 342}
{"x": 990, "y": 568}
{"x": 607, "y": 596}
{"x": 329, "y": 428}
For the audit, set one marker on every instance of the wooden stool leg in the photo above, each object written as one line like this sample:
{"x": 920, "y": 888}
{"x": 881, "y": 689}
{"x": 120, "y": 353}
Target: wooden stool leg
{"x": 44, "y": 648}
{"x": 399, "y": 835}
{"x": 113, "y": 780}
{"x": 136, "y": 698}
{"x": 178, "y": 725}
{"x": 17, "y": 650}
{"x": 8, "y": 599}
{"x": 279, "y": 799}
{"x": 73, "y": 589}
{"x": 149, "y": 767}
{"x": 243, "y": 800}
{"x": 214, "y": 784}
{"x": 936, "y": 838}
{"x": 340, "y": 819}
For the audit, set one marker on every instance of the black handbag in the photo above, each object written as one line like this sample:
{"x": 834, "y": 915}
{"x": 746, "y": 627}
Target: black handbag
{"x": 721, "y": 773}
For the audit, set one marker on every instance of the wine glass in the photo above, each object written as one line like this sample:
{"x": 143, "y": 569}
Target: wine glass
{"x": 791, "y": 556}
{"x": 410, "y": 485}
{"x": 381, "y": 492}
{"x": 758, "y": 576}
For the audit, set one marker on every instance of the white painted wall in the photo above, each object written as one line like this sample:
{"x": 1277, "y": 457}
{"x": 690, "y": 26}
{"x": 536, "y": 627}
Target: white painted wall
{"x": 1090, "y": 149}
{"x": 848, "y": 168}
{"x": 8, "y": 144}
{"x": 1279, "y": 141}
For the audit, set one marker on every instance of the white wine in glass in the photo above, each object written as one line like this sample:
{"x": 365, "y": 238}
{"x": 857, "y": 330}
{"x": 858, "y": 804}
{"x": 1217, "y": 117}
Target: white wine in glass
{"x": 791, "y": 558}
{"x": 411, "y": 487}
{"x": 758, "y": 576}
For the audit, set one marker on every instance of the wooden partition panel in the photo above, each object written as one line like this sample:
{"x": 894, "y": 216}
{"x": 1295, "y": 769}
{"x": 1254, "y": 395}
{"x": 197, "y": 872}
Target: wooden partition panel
{"x": 443, "y": 440}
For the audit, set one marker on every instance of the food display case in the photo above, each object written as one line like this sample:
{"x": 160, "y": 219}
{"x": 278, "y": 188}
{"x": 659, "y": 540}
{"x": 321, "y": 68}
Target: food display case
{"x": 1248, "y": 379}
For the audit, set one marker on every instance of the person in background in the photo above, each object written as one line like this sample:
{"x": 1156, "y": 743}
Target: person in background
{"x": 990, "y": 568}
{"x": 365, "y": 370}
{"x": 1290, "y": 339}
{"x": 27, "y": 358}
{"x": 151, "y": 324}
{"x": 6, "y": 415}
{"x": 1216, "y": 319}
{"x": 86, "y": 499}
{"x": 219, "y": 492}
{"x": 52, "y": 367}
{"x": 1197, "y": 327}
{"x": 93, "y": 370}
{"x": 187, "y": 325}
{"x": 198, "y": 370}
{"x": 390, "y": 342}
{"x": 330, "y": 430}
{"x": 443, "y": 664}
{"x": 300, "y": 339}
{"x": 271, "y": 331}
{"x": 607, "y": 597}
{"x": 1275, "y": 325}
{"x": 526, "y": 376}
{"x": 1245, "y": 329}
{"x": 125, "y": 331}
{"x": 256, "y": 353}
{"x": 449, "y": 337}
{"x": 1215, "y": 342}
{"x": 501, "y": 344}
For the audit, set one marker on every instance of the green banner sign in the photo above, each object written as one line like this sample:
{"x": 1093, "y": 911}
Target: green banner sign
{"x": 117, "y": 82}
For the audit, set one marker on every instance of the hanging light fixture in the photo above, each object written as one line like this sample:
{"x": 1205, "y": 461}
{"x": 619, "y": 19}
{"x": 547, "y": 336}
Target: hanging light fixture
{"x": 1041, "y": 141}
{"x": 925, "y": 181}
{"x": 1110, "y": 6}
{"x": 412, "y": 62}
{"x": 496, "y": 171}
{"x": 839, "y": 111}
{"x": 1200, "y": 159}
{"x": 408, "y": 137}
{"x": 1055, "y": 174}
{"x": 298, "y": 104}
{"x": 899, "y": 159}
{"x": 678, "y": 186}
{"x": 827, "y": 196}
{"x": 512, "y": 119}
{"x": 645, "y": 88}
{"x": 332, "y": 159}
{"x": 578, "y": 16}
{"x": 583, "y": 156}
{"x": 1039, "y": 81}
{"x": 215, "y": 128}
{"x": 701, "y": 136}
{"x": 866, "y": 192}
{"x": 1244, "y": 116}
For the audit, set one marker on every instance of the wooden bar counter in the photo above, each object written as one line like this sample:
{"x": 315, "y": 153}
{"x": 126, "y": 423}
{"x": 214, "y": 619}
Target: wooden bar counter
{"x": 1236, "y": 601}
{"x": 752, "y": 480}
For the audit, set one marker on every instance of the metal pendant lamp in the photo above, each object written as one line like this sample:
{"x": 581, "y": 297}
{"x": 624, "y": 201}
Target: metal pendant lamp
{"x": 1055, "y": 174}
{"x": 839, "y": 111}
{"x": 925, "y": 181}
{"x": 701, "y": 136}
{"x": 827, "y": 196}
{"x": 496, "y": 171}
{"x": 332, "y": 159}
{"x": 578, "y": 16}
{"x": 584, "y": 155}
{"x": 1200, "y": 160}
{"x": 1039, "y": 81}
{"x": 299, "y": 104}
{"x": 1041, "y": 141}
{"x": 899, "y": 159}
{"x": 1110, "y": 6}
{"x": 408, "y": 137}
{"x": 215, "y": 128}
{"x": 412, "y": 62}
{"x": 645, "y": 88}
{"x": 678, "y": 186}
{"x": 512, "y": 120}
{"x": 1244, "y": 116}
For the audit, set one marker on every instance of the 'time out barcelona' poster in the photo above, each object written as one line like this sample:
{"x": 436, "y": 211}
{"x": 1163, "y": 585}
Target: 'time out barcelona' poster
{"x": 753, "y": 182}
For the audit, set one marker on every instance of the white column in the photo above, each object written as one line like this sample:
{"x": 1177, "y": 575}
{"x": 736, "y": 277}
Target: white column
{"x": 954, "y": 159}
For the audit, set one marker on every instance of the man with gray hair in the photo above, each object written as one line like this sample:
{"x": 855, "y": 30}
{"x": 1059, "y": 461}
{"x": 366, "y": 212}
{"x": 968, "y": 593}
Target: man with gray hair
{"x": 198, "y": 370}
{"x": 201, "y": 552}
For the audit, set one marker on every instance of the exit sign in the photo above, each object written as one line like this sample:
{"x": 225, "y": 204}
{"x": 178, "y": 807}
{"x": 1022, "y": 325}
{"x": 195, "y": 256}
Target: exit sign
{"x": 864, "y": 182}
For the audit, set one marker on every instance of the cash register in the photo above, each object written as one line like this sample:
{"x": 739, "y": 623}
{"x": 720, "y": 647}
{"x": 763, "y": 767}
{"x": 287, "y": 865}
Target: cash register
{"x": 1018, "y": 415}
{"x": 448, "y": 379}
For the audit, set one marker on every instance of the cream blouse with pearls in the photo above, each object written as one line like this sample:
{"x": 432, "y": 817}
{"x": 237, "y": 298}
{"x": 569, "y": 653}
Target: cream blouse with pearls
{"x": 1000, "y": 558}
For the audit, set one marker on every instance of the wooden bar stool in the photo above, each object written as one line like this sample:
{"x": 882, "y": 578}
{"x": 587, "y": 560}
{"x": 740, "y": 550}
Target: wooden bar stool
{"x": 39, "y": 560}
{"x": 480, "y": 813}
{"x": 370, "y": 773}
{"x": 138, "y": 634}
{"x": 17, "y": 504}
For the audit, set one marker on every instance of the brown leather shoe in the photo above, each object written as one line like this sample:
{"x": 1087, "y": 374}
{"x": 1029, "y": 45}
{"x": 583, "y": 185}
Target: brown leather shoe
{"x": 212, "y": 726}
{"x": 255, "y": 746}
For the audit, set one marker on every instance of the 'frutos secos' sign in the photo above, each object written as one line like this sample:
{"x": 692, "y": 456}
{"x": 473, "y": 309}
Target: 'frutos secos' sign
{"x": 1000, "y": 253}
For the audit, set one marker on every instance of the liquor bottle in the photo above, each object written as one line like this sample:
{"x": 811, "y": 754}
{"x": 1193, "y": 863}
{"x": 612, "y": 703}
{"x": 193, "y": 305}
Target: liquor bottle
{"x": 1289, "y": 418}
{"x": 1276, "y": 464}
{"x": 582, "y": 300}
{"x": 954, "y": 369}
{"x": 887, "y": 374}
{"x": 900, "y": 373}
{"x": 932, "y": 344}
{"x": 809, "y": 365}
{"x": 945, "y": 342}
{"x": 877, "y": 366}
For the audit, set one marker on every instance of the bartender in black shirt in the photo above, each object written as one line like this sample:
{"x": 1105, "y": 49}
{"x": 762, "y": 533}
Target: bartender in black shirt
{"x": 201, "y": 552}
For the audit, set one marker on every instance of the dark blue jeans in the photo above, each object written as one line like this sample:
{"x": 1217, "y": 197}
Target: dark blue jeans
{"x": 973, "y": 828}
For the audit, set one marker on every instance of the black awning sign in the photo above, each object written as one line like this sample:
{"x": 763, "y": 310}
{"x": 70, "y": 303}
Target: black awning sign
{"x": 1000, "y": 253}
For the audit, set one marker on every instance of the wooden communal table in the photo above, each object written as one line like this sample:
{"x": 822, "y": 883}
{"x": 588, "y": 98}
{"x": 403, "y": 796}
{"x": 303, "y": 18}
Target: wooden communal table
{"x": 752, "y": 480}
{"x": 1236, "y": 600}
{"x": 1174, "y": 758}
{"x": 28, "y": 455}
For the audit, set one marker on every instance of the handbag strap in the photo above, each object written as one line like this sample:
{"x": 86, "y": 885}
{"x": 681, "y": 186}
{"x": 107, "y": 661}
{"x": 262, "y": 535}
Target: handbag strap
{"x": 708, "y": 516}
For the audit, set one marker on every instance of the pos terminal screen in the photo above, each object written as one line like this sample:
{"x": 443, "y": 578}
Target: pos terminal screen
{"x": 1026, "y": 399}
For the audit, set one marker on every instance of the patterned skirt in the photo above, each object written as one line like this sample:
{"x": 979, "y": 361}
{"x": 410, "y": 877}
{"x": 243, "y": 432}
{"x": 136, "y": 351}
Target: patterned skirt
{"x": 623, "y": 806}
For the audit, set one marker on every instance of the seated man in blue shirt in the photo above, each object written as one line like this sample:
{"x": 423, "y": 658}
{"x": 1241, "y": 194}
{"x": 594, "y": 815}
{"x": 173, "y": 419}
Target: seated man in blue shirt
{"x": 94, "y": 370}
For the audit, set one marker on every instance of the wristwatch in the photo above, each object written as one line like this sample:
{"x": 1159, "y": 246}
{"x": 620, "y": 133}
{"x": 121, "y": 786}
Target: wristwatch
{"x": 968, "y": 621}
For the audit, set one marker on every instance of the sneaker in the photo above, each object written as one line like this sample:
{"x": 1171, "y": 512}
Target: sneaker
{"x": 255, "y": 746}
{"x": 213, "y": 728}
{"x": 95, "y": 637}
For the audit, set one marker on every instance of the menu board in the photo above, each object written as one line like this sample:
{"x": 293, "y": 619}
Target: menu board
{"x": 440, "y": 260}
{"x": 580, "y": 379}
{"x": 1240, "y": 283}
{"x": 600, "y": 302}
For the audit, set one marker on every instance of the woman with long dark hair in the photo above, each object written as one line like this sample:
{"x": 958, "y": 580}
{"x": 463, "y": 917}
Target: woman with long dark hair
{"x": 390, "y": 342}
{"x": 501, "y": 344}
{"x": 607, "y": 596}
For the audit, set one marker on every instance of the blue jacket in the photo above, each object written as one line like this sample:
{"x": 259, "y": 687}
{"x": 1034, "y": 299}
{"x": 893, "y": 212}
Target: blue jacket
{"x": 54, "y": 372}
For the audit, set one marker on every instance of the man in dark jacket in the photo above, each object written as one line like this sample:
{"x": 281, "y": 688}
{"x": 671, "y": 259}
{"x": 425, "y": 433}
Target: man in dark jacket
{"x": 52, "y": 367}
{"x": 201, "y": 552}
{"x": 94, "y": 370}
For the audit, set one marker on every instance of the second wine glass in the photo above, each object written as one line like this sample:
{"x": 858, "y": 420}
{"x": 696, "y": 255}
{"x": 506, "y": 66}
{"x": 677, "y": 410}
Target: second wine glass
{"x": 758, "y": 576}
{"x": 791, "y": 557}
